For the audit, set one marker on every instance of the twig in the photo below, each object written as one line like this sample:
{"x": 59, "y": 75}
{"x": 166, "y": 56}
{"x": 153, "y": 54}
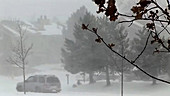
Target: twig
{"x": 164, "y": 28}
{"x": 126, "y": 15}
{"x": 143, "y": 19}
{"x": 167, "y": 1}
{"x": 132, "y": 63}
{"x": 163, "y": 11}
{"x": 143, "y": 48}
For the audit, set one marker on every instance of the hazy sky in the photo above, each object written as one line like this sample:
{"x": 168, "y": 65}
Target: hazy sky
{"x": 61, "y": 9}
{"x": 30, "y": 9}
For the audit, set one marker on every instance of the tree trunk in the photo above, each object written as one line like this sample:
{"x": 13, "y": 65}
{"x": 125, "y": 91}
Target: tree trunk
{"x": 153, "y": 81}
{"x": 167, "y": 68}
{"x": 91, "y": 79}
{"x": 107, "y": 76}
{"x": 24, "y": 77}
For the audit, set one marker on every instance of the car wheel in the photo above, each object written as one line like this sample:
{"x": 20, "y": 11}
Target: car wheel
{"x": 58, "y": 91}
{"x": 19, "y": 88}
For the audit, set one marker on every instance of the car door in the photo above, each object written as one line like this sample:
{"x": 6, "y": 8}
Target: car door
{"x": 41, "y": 83}
{"x": 31, "y": 83}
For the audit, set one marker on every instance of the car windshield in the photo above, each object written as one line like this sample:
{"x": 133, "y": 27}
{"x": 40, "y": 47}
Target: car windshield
{"x": 32, "y": 79}
{"x": 52, "y": 80}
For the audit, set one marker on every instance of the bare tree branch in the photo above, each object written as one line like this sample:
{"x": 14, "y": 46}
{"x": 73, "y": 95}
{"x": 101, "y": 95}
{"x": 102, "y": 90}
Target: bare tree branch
{"x": 10, "y": 60}
{"x": 163, "y": 11}
{"x": 167, "y": 2}
{"x": 27, "y": 51}
{"x": 20, "y": 51}
{"x": 130, "y": 61}
{"x": 147, "y": 19}
{"x": 143, "y": 48}
{"x": 164, "y": 28}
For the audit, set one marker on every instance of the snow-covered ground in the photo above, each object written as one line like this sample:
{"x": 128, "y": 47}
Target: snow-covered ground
{"x": 135, "y": 88}
{"x": 8, "y": 85}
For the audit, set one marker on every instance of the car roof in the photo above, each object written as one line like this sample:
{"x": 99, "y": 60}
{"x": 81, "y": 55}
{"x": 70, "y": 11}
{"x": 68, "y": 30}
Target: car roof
{"x": 45, "y": 75}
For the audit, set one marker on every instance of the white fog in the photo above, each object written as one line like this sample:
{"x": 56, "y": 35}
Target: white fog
{"x": 45, "y": 51}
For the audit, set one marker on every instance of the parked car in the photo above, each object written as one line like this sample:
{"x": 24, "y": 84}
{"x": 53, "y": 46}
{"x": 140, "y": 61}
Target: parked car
{"x": 40, "y": 83}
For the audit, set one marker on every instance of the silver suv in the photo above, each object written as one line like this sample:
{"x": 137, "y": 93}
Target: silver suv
{"x": 40, "y": 83}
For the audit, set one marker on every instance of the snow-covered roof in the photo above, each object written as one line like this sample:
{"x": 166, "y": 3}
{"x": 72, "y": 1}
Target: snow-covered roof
{"x": 52, "y": 29}
{"x": 11, "y": 30}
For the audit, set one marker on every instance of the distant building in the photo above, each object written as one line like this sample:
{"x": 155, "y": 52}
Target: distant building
{"x": 43, "y": 20}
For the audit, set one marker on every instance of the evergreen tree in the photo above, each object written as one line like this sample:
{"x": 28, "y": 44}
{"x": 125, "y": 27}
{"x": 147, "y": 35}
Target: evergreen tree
{"x": 73, "y": 19}
{"x": 79, "y": 55}
{"x": 149, "y": 61}
{"x": 113, "y": 33}
{"x": 84, "y": 54}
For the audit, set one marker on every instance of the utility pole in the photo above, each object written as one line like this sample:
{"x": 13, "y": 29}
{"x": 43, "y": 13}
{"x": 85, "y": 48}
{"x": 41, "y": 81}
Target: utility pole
{"x": 122, "y": 70}
{"x": 84, "y": 77}
{"x": 67, "y": 76}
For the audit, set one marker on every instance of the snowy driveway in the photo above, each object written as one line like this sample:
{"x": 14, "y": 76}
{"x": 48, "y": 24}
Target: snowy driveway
{"x": 65, "y": 94}
{"x": 8, "y": 88}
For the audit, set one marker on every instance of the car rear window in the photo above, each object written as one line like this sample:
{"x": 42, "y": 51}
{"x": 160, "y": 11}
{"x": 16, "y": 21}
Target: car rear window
{"x": 52, "y": 80}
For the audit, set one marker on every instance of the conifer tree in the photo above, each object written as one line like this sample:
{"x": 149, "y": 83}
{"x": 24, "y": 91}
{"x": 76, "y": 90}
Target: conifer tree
{"x": 68, "y": 30}
{"x": 84, "y": 54}
{"x": 79, "y": 55}
{"x": 149, "y": 61}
